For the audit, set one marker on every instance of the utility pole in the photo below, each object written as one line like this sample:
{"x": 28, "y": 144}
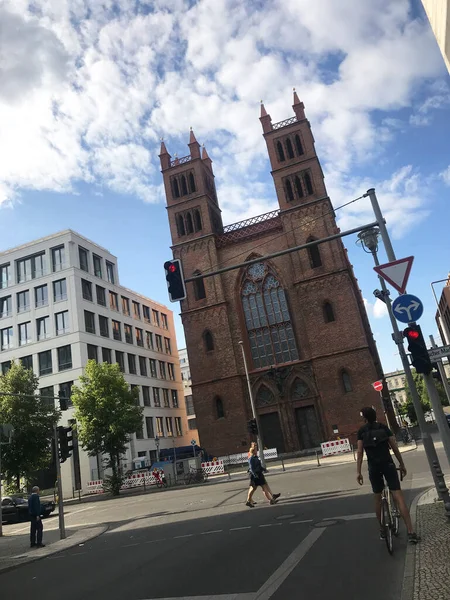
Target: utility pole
{"x": 255, "y": 414}
{"x": 427, "y": 440}
{"x": 441, "y": 369}
{"x": 62, "y": 526}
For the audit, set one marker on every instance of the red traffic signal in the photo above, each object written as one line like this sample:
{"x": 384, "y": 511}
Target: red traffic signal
{"x": 420, "y": 358}
{"x": 411, "y": 334}
{"x": 175, "y": 280}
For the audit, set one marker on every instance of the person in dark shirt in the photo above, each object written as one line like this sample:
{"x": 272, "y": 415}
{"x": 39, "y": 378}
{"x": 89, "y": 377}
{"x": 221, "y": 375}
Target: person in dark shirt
{"x": 257, "y": 478}
{"x": 36, "y": 528}
{"x": 378, "y": 441}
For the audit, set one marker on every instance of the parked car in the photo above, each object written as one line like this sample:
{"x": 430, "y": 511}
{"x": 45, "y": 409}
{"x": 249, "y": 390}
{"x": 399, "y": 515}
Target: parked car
{"x": 15, "y": 508}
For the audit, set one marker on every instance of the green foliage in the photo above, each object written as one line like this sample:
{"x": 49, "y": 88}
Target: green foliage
{"x": 33, "y": 421}
{"x": 107, "y": 412}
{"x": 408, "y": 407}
{"x": 113, "y": 483}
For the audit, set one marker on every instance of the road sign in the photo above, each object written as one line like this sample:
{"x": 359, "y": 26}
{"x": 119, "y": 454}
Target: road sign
{"x": 407, "y": 308}
{"x": 193, "y": 442}
{"x": 437, "y": 353}
{"x": 378, "y": 386}
{"x": 396, "y": 272}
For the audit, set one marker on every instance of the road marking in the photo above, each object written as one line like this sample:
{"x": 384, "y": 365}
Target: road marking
{"x": 286, "y": 568}
{"x": 351, "y": 517}
{"x": 69, "y": 514}
{"x": 270, "y": 524}
{"x": 154, "y": 541}
{"x": 298, "y": 522}
{"x": 178, "y": 537}
{"x": 240, "y": 528}
{"x": 214, "y": 531}
{"x": 131, "y": 545}
{"x": 247, "y": 596}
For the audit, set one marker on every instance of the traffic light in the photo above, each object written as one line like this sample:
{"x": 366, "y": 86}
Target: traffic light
{"x": 65, "y": 438}
{"x": 419, "y": 353}
{"x": 175, "y": 280}
{"x": 252, "y": 427}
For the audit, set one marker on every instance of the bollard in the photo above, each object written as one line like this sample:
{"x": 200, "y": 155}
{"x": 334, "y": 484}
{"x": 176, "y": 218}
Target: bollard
{"x": 317, "y": 457}
{"x": 282, "y": 464}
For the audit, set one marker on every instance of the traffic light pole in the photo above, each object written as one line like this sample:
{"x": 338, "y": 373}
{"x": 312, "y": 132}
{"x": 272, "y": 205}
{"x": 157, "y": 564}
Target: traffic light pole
{"x": 62, "y": 527}
{"x": 255, "y": 414}
{"x": 436, "y": 405}
{"x": 441, "y": 369}
{"x": 428, "y": 444}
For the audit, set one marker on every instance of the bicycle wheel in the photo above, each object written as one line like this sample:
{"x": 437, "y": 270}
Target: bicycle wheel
{"x": 387, "y": 524}
{"x": 187, "y": 478}
{"x": 394, "y": 515}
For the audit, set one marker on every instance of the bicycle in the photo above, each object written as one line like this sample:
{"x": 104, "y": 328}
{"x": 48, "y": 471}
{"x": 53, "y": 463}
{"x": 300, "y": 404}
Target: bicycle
{"x": 390, "y": 516}
{"x": 195, "y": 476}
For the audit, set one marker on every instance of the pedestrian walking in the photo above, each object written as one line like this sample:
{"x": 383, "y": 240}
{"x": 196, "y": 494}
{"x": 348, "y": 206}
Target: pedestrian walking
{"x": 257, "y": 479}
{"x": 36, "y": 527}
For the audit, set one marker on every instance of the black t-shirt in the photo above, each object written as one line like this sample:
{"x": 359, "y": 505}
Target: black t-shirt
{"x": 375, "y": 438}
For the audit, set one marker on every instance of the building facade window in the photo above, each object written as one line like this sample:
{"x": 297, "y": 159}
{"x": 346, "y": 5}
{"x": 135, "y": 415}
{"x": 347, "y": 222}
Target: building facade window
{"x": 167, "y": 346}
{"x": 346, "y": 381}
{"x": 62, "y": 322}
{"x": 159, "y": 427}
{"x": 92, "y": 352}
{"x": 139, "y": 337}
{"x": 58, "y": 259}
{"x": 65, "y": 390}
{"x": 315, "y": 259}
{"x": 97, "y": 265}
{"x": 5, "y": 276}
{"x": 174, "y": 394}
{"x": 280, "y": 152}
{"x": 86, "y": 288}
{"x": 162, "y": 369}
{"x": 41, "y": 296}
{"x": 7, "y": 338}
{"x": 136, "y": 310}
{"x": 149, "y": 427}
{"x": 101, "y": 295}
{"x": 27, "y": 362}
{"x": 103, "y": 325}
{"x": 43, "y": 328}
{"x": 89, "y": 321}
{"x": 143, "y": 366}
{"x": 267, "y": 317}
{"x": 146, "y": 395}
{"x": 47, "y": 395}
{"x": 126, "y": 306}
{"x": 5, "y": 367}
{"x": 166, "y": 399}
{"x": 192, "y": 424}
{"x": 146, "y": 313}
{"x": 117, "y": 331}
{"x": 23, "y": 301}
{"x": 171, "y": 371}
{"x": 149, "y": 340}
{"x": 110, "y": 272}
{"x": 169, "y": 427}
{"x": 5, "y": 307}
{"x": 64, "y": 358}
{"x": 158, "y": 340}
{"x": 25, "y": 333}
{"x": 190, "y": 410}
{"x": 156, "y": 397}
{"x": 328, "y": 312}
{"x": 59, "y": 290}
{"x": 132, "y": 364}
{"x": 199, "y": 286}
{"x": 128, "y": 334}
{"x": 164, "y": 321}
{"x": 220, "y": 412}
{"x": 45, "y": 362}
{"x": 298, "y": 186}
{"x": 83, "y": 256}
{"x": 120, "y": 360}
{"x": 153, "y": 368}
{"x": 178, "y": 428}
{"x": 155, "y": 315}
{"x": 113, "y": 301}
{"x": 208, "y": 341}
{"x": 107, "y": 355}
{"x": 31, "y": 267}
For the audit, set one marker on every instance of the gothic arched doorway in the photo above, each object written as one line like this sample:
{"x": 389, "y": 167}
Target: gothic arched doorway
{"x": 306, "y": 417}
{"x": 272, "y": 433}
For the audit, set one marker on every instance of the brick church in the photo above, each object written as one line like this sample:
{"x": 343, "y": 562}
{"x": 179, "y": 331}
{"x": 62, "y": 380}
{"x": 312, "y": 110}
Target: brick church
{"x": 308, "y": 343}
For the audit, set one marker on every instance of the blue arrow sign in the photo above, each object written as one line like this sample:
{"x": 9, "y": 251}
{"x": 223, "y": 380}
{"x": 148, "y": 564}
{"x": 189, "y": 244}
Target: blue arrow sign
{"x": 407, "y": 308}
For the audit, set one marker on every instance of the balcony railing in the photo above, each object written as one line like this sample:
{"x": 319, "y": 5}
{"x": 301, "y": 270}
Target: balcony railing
{"x": 249, "y": 228}
{"x": 180, "y": 161}
{"x": 284, "y": 123}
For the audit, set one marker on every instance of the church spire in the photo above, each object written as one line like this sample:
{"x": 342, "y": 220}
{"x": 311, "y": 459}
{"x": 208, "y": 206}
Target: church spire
{"x": 194, "y": 146}
{"x": 205, "y": 157}
{"x": 164, "y": 156}
{"x": 299, "y": 107}
{"x": 265, "y": 119}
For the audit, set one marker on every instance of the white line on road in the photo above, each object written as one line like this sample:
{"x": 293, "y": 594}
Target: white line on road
{"x": 214, "y": 531}
{"x": 131, "y": 545}
{"x": 298, "y": 522}
{"x": 240, "y": 528}
{"x": 69, "y": 514}
{"x": 286, "y": 568}
{"x": 178, "y": 537}
{"x": 154, "y": 541}
{"x": 270, "y": 524}
{"x": 351, "y": 517}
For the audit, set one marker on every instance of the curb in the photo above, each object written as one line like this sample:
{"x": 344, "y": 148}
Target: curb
{"x": 410, "y": 559}
{"x": 79, "y": 537}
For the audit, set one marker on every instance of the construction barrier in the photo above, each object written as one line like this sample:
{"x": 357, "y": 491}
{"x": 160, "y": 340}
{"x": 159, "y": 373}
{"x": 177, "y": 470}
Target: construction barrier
{"x": 215, "y": 467}
{"x": 242, "y": 458}
{"x": 95, "y": 487}
{"x": 335, "y": 447}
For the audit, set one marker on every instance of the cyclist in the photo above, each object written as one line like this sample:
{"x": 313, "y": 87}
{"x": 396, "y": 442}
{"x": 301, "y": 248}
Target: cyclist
{"x": 377, "y": 440}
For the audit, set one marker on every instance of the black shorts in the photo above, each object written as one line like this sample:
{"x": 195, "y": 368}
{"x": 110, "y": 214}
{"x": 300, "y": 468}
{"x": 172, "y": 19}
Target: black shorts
{"x": 377, "y": 474}
{"x": 260, "y": 480}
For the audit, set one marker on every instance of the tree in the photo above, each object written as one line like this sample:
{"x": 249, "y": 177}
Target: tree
{"x": 408, "y": 407}
{"x": 107, "y": 412}
{"x": 33, "y": 421}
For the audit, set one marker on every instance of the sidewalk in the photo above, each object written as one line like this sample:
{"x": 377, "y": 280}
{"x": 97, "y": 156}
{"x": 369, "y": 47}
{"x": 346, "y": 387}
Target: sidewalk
{"x": 427, "y": 564}
{"x": 15, "y": 548}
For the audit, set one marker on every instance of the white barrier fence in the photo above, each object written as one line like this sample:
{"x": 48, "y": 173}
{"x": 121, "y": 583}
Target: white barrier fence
{"x": 336, "y": 447}
{"x": 242, "y": 458}
{"x": 215, "y": 467}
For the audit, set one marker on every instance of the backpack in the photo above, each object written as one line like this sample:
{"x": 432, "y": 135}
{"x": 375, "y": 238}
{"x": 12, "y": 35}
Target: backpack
{"x": 374, "y": 436}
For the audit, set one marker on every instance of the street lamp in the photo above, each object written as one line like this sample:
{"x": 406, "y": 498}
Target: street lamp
{"x": 157, "y": 448}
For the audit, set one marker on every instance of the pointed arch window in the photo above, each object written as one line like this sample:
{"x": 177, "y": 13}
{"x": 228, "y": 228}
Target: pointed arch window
{"x": 298, "y": 186}
{"x": 208, "y": 340}
{"x": 175, "y": 188}
{"x": 191, "y": 183}
{"x": 298, "y": 145}
{"x": 289, "y": 148}
{"x": 328, "y": 312}
{"x": 314, "y": 255}
{"x": 189, "y": 224}
{"x": 267, "y": 317}
{"x": 346, "y": 381}
{"x": 280, "y": 152}
{"x": 184, "y": 189}
{"x": 289, "y": 192}
{"x": 197, "y": 220}
{"x": 220, "y": 411}
{"x": 308, "y": 183}
{"x": 300, "y": 390}
{"x": 264, "y": 397}
{"x": 199, "y": 287}
{"x": 180, "y": 225}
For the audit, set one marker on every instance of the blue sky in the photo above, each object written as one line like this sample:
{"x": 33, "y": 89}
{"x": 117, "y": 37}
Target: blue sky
{"x": 89, "y": 88}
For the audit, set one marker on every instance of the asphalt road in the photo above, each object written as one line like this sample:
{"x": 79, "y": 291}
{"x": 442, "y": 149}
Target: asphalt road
{"x": 320, "y": 541}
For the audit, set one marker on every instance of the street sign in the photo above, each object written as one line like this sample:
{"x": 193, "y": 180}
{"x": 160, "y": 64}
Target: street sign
{"x": 396, "y": 272}
{"x": 437, "y": 353}
{"x": 193, "y": 442}
{"x": 407, "y": 308}
{"x": 378, "y": 386}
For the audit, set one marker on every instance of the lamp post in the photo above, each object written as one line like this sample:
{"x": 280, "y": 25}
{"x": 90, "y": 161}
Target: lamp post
{"x": 369, "y": 241}
{"x": 157, "y": 448}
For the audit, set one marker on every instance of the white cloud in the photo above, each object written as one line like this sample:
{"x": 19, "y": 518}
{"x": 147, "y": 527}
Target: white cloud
{"x": 446, "y": 175}
{"x": 88, "y": 88}
{"x": 378, "y": 309}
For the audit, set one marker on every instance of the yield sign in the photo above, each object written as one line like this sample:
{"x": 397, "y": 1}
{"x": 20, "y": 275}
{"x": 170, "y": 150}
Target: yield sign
{"x": 396, "y": 273}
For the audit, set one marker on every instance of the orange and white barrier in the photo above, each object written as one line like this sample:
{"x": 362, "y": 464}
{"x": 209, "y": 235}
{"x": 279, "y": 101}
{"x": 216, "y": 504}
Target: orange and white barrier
{"x": 336, "y": 447}
{"x": 214, "y": 467}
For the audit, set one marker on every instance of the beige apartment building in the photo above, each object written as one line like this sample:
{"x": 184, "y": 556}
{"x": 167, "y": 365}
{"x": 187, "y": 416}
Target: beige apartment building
{"x": 438, "y": 13}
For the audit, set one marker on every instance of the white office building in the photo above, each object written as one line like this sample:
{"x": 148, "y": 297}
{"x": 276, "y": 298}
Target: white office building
{"x": 187, "y": 390}
{"x": 61, "y": 303}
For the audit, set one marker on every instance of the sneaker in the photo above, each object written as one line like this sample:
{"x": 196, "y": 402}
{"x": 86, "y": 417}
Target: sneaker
{"x": 382, "y": 533}
{"x": 32, "y": 545}
{"x": 249, "y": 504}
{"x": 40, "y": 545}
{"x": 274, "y": 500}
{"x": 413, "y": 538}
{"x": 276, "y": 496}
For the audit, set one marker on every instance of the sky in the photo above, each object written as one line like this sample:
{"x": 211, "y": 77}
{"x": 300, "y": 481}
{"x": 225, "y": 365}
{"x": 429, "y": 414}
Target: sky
{"x": 89, "y": 87}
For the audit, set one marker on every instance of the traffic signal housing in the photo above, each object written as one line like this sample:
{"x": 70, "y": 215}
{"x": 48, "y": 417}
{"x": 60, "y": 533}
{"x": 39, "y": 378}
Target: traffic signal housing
{"x": 65, "y": 442}
{"x": 175, "y": 280}
{"x": 252, "y": 427}
{"x": 420, "y": 358}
